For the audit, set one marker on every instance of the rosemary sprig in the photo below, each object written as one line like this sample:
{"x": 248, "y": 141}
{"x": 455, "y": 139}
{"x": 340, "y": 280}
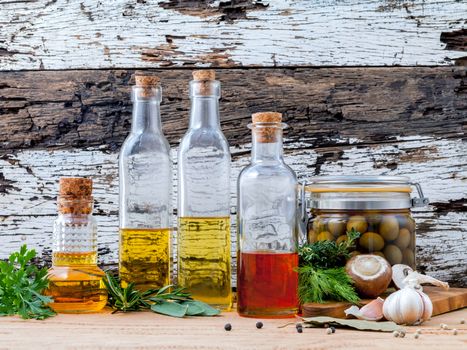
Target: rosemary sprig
{"x": 168, "y": 300}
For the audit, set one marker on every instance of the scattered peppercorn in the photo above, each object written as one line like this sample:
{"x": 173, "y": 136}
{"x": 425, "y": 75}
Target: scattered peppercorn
{"x": 445, "y": 326}
{"x": 462, "y": 321}
{"x": 333, "y": 329}
{"x": 328, "y": 331}
{"x": 454, "y": 331}
{"x": 259, "y": 325}
{"x": 418, "y": 331}
{"x": 395, "y": 334}
{"x": 298, "y": 325}
{"x": 402, "y": 334}
{"x": 228, "y": 327}
{"x": 299, "y": 329}
{"x": 416, "y": 335}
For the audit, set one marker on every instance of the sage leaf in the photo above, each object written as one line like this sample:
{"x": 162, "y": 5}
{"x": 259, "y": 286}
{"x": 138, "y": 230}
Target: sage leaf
{"x": 194, "y": 308}
{"x": 170, "y": 308}
{"x": 208, "y": 309}
{"x": 362, "y": 325}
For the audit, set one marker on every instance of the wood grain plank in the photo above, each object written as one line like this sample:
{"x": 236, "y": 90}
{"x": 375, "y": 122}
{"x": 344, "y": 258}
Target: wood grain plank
{"x": 325, "y": 107}
{"x": 47, "y": 34}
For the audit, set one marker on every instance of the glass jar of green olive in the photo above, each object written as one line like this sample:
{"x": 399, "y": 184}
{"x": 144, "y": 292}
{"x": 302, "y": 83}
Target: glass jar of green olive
{"x": 378, "y": 207}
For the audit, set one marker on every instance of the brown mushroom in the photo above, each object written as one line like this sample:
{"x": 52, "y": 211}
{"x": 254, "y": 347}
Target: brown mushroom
{"x": 371, "y": 274}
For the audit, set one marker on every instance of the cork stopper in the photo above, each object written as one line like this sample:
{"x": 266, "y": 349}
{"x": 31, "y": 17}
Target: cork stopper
{"x": 147, "y": 83}
{"x": 267, "y": 117}
{"x": 204, "y": 75}
{"x": 75, "y": 195}
{"x": 266, "y": 133}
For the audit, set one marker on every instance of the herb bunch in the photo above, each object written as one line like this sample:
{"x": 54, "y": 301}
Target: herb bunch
{"x": 22, "y": 285}
{"x": 321, "y": 273}
{"x": 168, "y": 300}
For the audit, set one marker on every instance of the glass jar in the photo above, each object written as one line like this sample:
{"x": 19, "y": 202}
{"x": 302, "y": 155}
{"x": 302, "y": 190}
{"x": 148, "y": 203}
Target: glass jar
{"x": 267, "y": 258}
{"x": 378, "y": 207}
{"x": 75, "y": 281}
{"x": 204, "y": 198}
{"x": 145, "y": 171}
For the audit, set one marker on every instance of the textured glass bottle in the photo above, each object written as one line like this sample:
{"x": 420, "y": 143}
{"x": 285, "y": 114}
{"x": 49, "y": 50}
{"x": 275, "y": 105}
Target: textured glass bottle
{"x": 145, "y": 169}
{"x": 267, "y": 226}
{"x": 76, "y": 283}
{"x": 204, "y": 198}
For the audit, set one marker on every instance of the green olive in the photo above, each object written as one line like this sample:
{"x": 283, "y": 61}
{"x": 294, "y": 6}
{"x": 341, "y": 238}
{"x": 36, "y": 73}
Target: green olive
{"x": 340, "y": 239}
{"x": 378, "y": 253}
{"x": 318, "y": 224}
{"x": 373, "y": 219}
{"x": 410, "y": 224}
{"x": 392, "y": 254}
{"x": 408, "y": 257}
{"x": 325, "y": 236}
{"x": 336, "y": 227}
{"x": 371, "y": 241}
{"x": 403, "y": 240}
{"x": 389, "y": 228}
{"x": 312, "y": 236}
{"x": 358, "y": 223}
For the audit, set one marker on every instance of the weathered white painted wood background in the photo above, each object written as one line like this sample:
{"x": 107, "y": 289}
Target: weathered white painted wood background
{"x": 51, "y": 34}
{"x": 382, "y": 121}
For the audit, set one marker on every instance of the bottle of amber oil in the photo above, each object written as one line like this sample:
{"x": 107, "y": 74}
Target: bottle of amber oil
{"x": 76, "y": 282}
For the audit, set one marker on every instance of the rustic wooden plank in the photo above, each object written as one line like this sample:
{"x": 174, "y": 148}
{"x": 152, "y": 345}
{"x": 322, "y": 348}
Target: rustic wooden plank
{"x": 325, "y": 107}
{"x": 146, "y": 330}
{"x": 30, "y": 179}
{"x": 46, "y": 34}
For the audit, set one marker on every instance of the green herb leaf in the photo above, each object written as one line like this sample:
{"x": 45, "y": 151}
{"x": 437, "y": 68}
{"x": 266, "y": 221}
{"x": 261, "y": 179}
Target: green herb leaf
{"x": 207, "y": 310}
{"x": 194, "y": 308}
{"x": 170, "y": 308}
{"x": 21, "y": 287}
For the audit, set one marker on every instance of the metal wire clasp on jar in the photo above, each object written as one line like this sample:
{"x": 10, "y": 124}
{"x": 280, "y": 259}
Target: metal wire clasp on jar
{"x": 378, "y": 207}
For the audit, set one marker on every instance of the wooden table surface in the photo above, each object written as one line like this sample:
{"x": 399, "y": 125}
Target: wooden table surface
{"x": 146, "y": 330}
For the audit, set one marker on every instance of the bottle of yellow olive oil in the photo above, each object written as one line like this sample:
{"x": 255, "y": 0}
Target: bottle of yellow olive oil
{"x": 204, "y": 198}
{"x": 145, "y": 170}
{"x": 75, "y": 281}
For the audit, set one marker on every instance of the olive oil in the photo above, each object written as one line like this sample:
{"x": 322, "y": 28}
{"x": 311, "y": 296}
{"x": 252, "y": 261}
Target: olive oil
{"x": 204, "y": 259}
{"x": 145, "y": 257}
{"x": 76, "y": 283}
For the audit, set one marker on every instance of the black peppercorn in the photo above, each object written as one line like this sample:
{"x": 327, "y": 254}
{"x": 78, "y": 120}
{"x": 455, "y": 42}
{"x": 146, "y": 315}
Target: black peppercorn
{"x": 298, "y": 325}
{"x": 299, "y": 329}
{"x": 228, "y": 327}
{"x": 333, "y": 329}
{"x": 259, "y": 325}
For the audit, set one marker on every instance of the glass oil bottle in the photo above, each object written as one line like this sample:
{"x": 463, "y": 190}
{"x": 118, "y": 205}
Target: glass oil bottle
{"x": 204, "y": 198}
{"x": 267, "y": 258}
{"x": 145, "y": 170}
{"x": 75, "y": 281}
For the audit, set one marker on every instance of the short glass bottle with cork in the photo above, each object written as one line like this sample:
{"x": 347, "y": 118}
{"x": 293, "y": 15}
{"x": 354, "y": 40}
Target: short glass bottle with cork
{"x": 145, "y": 170}
{"x": 75, "y": 281}
{"x": 267, "y": 258}
{"x": 204, "y": 198}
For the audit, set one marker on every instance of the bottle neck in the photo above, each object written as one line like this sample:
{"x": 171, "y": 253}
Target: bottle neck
{"x": 146, "y": 117}
{"x": 269, "y": 149}
{"x": 204, "y": 112}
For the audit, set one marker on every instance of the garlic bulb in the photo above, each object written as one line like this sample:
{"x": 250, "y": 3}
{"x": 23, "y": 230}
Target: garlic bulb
{"x": 409, "y": 305}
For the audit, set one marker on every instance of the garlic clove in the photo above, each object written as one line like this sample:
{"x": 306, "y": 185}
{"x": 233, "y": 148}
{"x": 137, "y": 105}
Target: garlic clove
{"x": 427, "y": 307}
{"x": 372, "y": 311}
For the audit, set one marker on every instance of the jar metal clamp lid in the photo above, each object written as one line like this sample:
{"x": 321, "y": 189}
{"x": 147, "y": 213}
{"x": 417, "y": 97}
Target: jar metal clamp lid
{"x": 363, "y": 193}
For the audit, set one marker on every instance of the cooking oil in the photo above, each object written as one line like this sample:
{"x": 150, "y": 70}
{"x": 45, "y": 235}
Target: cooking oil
{"x": 76, "y": 283}
{"x": 145, "y": 257}
{"x": 204, "y": 259}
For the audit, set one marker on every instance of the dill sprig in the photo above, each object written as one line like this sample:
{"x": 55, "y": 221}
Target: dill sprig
{"x": 322, "y": 276}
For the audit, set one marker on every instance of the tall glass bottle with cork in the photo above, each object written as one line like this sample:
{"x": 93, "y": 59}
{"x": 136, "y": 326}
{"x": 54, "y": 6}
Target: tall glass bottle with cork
{"x": 145, "y": 170}
{"x": 75, "y": 281}
{"x": 267, "y": 244}
{"x": 204, "y": 198}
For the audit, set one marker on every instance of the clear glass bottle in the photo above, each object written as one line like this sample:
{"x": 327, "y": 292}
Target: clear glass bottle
{"x": 75, "y": 281}
{"x": 204, "y": 198}
{"x": 267, "y": 258}
{"x": 145, "y": 170}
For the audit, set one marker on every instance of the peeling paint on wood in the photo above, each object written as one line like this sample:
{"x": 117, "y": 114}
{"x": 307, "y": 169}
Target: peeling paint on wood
{"x": 47, "y": 34}
{"x": 28, "y": 210}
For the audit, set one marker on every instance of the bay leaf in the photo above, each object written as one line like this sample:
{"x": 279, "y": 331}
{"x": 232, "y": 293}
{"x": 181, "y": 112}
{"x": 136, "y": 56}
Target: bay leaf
{"x": 170, "y": 308}
{"x": 362, "y": 325}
